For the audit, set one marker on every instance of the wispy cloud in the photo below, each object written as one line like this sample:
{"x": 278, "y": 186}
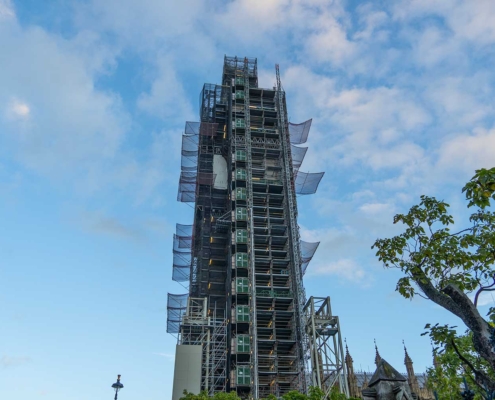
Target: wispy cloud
{"x": 99, "y": 223}
{"x": 18, "y": 109}
{"x": 13, "y": 361}
{"x": 344, "y": 268}
{"x": 6, "y": 9}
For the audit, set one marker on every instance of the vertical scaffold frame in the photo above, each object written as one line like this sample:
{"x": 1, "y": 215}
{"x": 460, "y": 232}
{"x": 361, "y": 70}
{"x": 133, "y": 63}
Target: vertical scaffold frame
{"x": 251, "y": 252}
{"x": 325, "y": 345}
{"x": 299, "y": 292}
{"x": 197, "y": 328}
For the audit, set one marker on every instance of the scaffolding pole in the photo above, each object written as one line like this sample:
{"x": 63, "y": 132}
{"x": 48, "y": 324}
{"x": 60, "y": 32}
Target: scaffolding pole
{"x": 251, "y": 253}
{"x": 325, "y": 345}
{"x": 299, "y": 292}
{"x": 197, "y": 328}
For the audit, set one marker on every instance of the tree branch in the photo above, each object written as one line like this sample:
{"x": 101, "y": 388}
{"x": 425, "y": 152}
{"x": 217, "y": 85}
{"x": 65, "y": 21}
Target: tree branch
{"x": 434, "y": 294}
{"x": 482, "y": 289}
{"x": 478, "y": 375}
{"x": 482, "y": 332}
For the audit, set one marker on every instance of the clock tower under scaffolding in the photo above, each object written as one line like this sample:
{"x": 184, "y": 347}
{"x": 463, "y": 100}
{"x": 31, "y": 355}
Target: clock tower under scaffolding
{"x": 245, "y": 324}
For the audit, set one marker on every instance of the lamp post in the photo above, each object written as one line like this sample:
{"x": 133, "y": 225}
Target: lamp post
{"x": 117, "y": 386}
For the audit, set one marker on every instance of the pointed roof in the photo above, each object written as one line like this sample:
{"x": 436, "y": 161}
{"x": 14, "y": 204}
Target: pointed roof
{"x": 385, "y": 372}
{"x": 348, "y": 358}
{"x": 377, "y": 355}
{"x": 407, "y": 359}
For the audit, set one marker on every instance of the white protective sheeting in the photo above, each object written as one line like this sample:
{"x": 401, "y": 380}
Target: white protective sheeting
{"x": 220, "y": 172}
{"x": 187, "y": 373}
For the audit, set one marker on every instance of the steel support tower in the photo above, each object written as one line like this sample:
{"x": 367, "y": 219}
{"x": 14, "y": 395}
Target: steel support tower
{"x": 243, "y": 258}
{"x": 325, "y": 346}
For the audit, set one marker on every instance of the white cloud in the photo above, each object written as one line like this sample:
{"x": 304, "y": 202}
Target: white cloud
{"x": 11, "y": 361}
{"x": 6, "y": 9}
{"x": 468, "y": 152}
{"x": 470, "y": 20}
{"x": 166, "y": 98}
{"x": 76, "y": 126}
{"x": 486, "y": 298}
{"x": 343, "y": 268}
{"x": 376, "y": 208}
{"x": 18, "y": 109}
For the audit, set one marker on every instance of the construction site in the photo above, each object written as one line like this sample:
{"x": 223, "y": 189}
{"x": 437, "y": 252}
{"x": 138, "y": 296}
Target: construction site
{"x": 245, "y": 323}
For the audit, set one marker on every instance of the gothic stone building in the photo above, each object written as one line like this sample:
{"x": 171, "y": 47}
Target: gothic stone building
{"x": 364, "y": 385}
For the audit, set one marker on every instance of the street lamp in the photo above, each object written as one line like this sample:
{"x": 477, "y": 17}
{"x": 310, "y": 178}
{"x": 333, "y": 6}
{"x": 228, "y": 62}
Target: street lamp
{"x": 117, "y": 386}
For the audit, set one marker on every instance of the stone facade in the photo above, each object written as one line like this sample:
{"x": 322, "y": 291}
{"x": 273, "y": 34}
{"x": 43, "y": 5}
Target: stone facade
{"x": 386, "y": 383}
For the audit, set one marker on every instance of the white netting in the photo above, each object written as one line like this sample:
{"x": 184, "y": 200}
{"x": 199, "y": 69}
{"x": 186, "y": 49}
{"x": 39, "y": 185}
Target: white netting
{"x": 299, "y": 132}
{"x": 298, "y": 154}
{"x": 308, "y": 250}
{"x": 307, "y": 182}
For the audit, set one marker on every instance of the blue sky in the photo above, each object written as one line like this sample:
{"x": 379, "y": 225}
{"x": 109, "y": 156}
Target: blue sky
{"x": 93, "y": 99}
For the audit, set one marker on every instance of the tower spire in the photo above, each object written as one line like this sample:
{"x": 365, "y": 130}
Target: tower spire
{"x": 348, "y": 358}
{"x": 351, "y": 376}
{"x": 411, "y": 377}
{"x": 407, "y": 359}
{"x": 378, "y": 358}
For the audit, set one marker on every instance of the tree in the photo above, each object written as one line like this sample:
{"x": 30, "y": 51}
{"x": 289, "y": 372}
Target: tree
{"x": 314, "y": 393}
{"x": 204, "y": 396}
{"x": 446, "y": 266}
{"x": 446, "y": 377}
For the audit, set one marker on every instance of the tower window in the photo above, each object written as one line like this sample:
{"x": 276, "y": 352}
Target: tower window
{"x": 240, "y": 155}
{"x": 243, "y": 375}
{"x": 241, "y": 214}
{"x": 243, "y": 344}
{"x": 242, "y": 285}
{"x": 240, "y": 174}
{"x": 242, "y": 313}
{"x": 240, "y": 194}
{"x": 241, "y": 236}
{"x": 241, "y": 260}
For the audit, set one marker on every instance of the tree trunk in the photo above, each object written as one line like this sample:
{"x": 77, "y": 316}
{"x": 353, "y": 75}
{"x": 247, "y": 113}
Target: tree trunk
{"x": 455, "y": 300}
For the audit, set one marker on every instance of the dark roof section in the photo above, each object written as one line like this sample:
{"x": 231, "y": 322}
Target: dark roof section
{"x": 385, "y": 372}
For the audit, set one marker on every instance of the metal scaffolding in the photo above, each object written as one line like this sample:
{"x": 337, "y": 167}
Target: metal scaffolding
{"x": 325, "y": 345}
{"x": 243, "y": 256}
{"x": 197, "y": 328}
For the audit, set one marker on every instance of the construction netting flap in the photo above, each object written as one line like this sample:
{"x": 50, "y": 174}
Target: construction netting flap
{"x": 181, "y": 268}
{"x": 189, "y": 159}
{"x": 181, "y": 274}
{"x": 308, "y": 250}
{"x": 307, "y": 182}
{"x": 182, "y": 243}
{"x": 189, "y": 163}
{"x": 176, "y": 307}
{"x": 192, "y": 128}
{"x": 183, "y": 236}
{"x": 298, "y": 154}
{"x": 183, "y": 230}
{"x": 299, "y": 132}
{"x": 187, "y": 187}
{"x": 190, "y": 145}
